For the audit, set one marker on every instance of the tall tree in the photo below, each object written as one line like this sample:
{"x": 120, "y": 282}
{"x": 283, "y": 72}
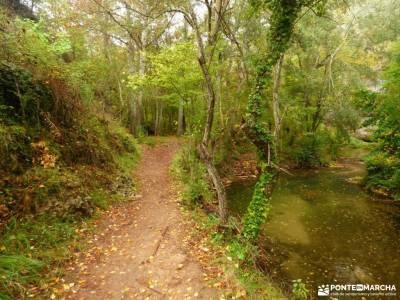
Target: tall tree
{"x": 284, "y": 14}
{"x": 206, "y": 51}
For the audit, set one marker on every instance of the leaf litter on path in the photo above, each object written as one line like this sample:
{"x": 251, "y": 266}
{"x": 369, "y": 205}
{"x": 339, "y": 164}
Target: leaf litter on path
{"x": 142, "y": 249}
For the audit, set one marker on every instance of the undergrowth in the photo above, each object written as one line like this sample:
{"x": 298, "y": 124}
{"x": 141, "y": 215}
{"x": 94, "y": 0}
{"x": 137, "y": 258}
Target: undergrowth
{"x": 188, "y": 169}
{"x": 240, "y": 279}
{"x": 42, "y": 239}
{"x": 60, "y": 164}
{"x": 230, "y": 253}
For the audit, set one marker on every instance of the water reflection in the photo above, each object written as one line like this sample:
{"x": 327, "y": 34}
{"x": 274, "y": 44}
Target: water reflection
{"x": 325, "y": 229}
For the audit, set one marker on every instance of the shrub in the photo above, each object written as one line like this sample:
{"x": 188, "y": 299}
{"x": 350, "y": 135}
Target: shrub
{"x": 314, "y": 149}
{"x": 126, "y": 140}
{"x": 383, "y": 172}
{"x": 383, "y": 164}
{"x": 189, "y": 170}
{"x": 15, "y": 148}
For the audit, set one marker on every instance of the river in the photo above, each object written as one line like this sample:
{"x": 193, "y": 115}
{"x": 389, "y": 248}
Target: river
{"x": 324, "y": 229}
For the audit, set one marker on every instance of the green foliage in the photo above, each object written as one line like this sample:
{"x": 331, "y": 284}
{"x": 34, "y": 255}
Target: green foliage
{"x": 37, "y": 237}
{"x": 239, "y": 250}
{"x": 59, "y": 188}
{"x": 22, "y": 97}
{"x": 178, "y": 80}
{"x": 383, "y": 173}
{"x": 281, "y": 25}
{"x": 190, "y": 171}
{"x": 228, "y": 254}
{"x": 258, "y": 208}
{"x": 28, "y": 43}
{"x": 127, "y": 140}
{"x": 345, "y": 120}
{"x": 307, "y": 152}
{"x": 314, "y": 149}
{"x": 59, "y": 161}
{"x": 299, "y": 289}
{"x": 99, "y": 199}
{"x": 383, "y": 164}
{"x": 278, "y": 39}
{"x": 16, "y": 270}
{"x": 172, "y": 79}
{"x": 15, "y": 149}
{"x": 28, "y": 247}
{"x": 366, "y": 100}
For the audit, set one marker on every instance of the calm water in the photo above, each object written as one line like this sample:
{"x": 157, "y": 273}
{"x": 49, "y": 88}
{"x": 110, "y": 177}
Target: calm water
{"x": 324, "y": 229}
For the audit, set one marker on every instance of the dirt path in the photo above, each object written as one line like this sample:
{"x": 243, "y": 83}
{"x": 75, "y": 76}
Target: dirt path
{"x": 139, "y": 252}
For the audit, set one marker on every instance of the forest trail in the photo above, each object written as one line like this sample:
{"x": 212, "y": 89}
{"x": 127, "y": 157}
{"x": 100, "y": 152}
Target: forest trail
{"x": 138, "y": 251}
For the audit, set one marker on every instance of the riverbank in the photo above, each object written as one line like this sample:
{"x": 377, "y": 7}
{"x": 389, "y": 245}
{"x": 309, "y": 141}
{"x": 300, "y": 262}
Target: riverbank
{"x": 239, "y": 278}
{"x": 324, "y": 229}
{"x": 243, "y": 167}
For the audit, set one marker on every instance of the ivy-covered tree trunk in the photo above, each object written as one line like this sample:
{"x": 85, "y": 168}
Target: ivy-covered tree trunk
{"x": 282, "y": 20}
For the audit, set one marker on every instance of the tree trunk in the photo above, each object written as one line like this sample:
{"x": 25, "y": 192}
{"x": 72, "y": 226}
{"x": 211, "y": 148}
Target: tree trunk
{"x": 156, "y": 120}
{"x": 219, "y": 90}
{"x": 204, "y": 154}
{"x": 203, "y": 147}
{"x": 275, "y": 105}
{"x": 217, "y": 183}
{"x": 180, "y": 118}
{"x": 160, "y": 120}
{"x": 283, "y": 17}
{"x": 316, "y": 118}
{"x": 139, "y": 99}
{"x": 131, "y": 101}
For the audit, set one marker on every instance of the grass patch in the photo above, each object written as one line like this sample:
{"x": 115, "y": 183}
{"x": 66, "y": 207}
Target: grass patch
{"x": 152, "y": 140}
{"x": 33, "y": 251}
{"x": 126, "y": 162}
{"x": 16, "y": 270}
{"x": 99, "y": 199}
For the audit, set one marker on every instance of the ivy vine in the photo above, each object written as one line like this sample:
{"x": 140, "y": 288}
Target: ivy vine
{"x": 282, "y": 21}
